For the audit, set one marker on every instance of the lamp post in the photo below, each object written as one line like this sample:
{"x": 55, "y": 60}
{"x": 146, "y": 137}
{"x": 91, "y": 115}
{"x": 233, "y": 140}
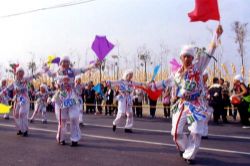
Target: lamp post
{"x": 116, "y": 57}
{"x": 145, "y": 58}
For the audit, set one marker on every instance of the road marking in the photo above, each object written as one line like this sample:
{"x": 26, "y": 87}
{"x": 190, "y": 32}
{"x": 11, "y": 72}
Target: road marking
{"x": 134, "y": 141}
{"x": 153, "y": 130}
{"x": 162, "y": 131}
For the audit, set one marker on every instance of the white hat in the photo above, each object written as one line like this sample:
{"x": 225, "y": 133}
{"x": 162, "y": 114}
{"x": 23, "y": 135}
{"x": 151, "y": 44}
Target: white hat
{"x": 43, "y": 86}
{"x": 78, "y": 77}
{"x": 187, "y": 50}
{"x": 65, "y": 58}
{"x": 126, "y": 73}
{"x": 19, "y": 69}
{"x": 4, "y": 79}
{"x": 239, "y": 78}
{"x": 205, "y": 73}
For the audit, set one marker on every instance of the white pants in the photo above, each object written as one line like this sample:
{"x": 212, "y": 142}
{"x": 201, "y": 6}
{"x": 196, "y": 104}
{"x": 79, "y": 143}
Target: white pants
{"x": 39, "y": 109}
{"x": 121, "y": 114}
{"x": 21, "y": 113}
{"x": 6, "y": 116}
{"x": 63, "y": 115}
{"x": 81, "y": 113}
{"x": 187, "y": 144}
{"x": 209, "y": 114}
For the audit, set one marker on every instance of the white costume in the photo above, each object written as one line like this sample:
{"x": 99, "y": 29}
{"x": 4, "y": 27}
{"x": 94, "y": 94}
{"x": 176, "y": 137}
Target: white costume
{"x": 4, "y": 99}
{"x": 67, "y": 103}
{"x": 41, "y": 104}
{"x": 21, "y": 102}
{"x": 189, "y": 108}
{"x": 209, "y": 110}
{"x": 125, "y": 102}
{"x": 78, "y": 89}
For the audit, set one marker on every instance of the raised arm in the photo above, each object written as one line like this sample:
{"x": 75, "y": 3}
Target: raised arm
{"x": 114, "y": 83}
{"x": 5, "y": 90}
{"x": 160, "y": 85}
{"x": 204, "y": 58}
{"x": 84, "y": 70}
{"x": 133, "y": 83}
{"x": 34, "y": 76}
{"x": 47, "y": 71}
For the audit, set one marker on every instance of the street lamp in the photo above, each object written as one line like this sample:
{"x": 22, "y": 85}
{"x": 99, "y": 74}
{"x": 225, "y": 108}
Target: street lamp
{"x": 145, "y": 58}
{"x": 116, "y": 64}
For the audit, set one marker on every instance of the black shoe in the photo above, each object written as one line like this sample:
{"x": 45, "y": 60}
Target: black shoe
{"x": 225, "y": 121}
{"x": 19, "y": 133}
{"x": 25, "y": 134}
{"x": 74, "y": 144}
{"x": 181, "y": 154}
{"x": 190, "y": 162}
{"x": 128, "y": 131}
{"x": 114, "y": 128}
{"x": 31, "y": 121}
{"x": 44, "y": 122}
{"x": 81, "y": 124}
{"x": 62, "y": 143}
{"x": 204, "y": 137}
{"x": 7, "y": 118}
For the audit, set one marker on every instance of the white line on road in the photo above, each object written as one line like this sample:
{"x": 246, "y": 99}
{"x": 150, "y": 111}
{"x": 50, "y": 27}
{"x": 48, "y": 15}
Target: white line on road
{"x": 156, "y": 131}
{"x": 134, "y": 141}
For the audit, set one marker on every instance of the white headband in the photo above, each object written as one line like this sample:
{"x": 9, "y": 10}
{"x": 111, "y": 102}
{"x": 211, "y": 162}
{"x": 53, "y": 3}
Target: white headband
{"x": 187, "y": 50}
{"x": 126, "y": 73}
{"x": 239, "y": 78}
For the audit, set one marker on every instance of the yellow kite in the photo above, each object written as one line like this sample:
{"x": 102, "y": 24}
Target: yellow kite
{"x": 4, "y": 109}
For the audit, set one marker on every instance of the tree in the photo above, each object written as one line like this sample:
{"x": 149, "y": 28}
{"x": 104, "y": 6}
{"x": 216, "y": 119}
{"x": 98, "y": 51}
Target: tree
{"x": 240, "y": 30}
{"x": 102, "y": 68}
{"x": 32, "y": 66}
{"x": 145, "y": 56}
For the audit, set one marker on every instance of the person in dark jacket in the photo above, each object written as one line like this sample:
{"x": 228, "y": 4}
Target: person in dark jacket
{"x": 109, "y": 101}
{"x": 215, "y": 99}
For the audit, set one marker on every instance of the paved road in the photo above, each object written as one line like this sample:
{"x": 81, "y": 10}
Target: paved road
{"x": 150, "y": 144}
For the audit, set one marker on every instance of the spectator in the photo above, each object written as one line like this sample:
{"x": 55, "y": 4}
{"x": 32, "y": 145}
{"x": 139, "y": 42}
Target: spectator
{"x": 221, "y": 81}
{"x": 109, "y": 100}
{"x": 50, "y": 106}
{"x": 115, "y": 106}
{"x": 31, "y": 92}
{"x": 215, "y": 99}
{"x": 89, "y": 96}
{"x": 240, "y": 91}
{"x": 225, "y": 100}
{"x": 99, "y": 99}
{"x": 152, "y": 103}
{"x": 137, "y": 98}
{"x": 166, "y": 102}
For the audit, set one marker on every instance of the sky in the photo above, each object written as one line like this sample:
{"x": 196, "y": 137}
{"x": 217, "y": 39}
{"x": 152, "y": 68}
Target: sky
{"x": 129, "y": 24}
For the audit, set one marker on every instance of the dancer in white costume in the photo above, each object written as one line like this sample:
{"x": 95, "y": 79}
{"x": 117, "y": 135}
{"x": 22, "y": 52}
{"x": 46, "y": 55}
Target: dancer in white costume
{"x": 41, "y": 104}
{"x": 187, "y": 85}
{"x": 66, "y": 100}
{"x": 208, "y": 109}
{"x": 21, "y": 100}
{"x": 4, "y": 99}
{"x": 124, "y": 98}
{"x": 79, "y": 87}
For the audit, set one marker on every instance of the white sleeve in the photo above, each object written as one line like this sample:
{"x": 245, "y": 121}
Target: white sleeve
{"x": 165, "y": 83}
{"x": 203, "y": 60}
{"x": 8, "y": 88}
{"x": 137, "y": 83}
{"x": 80, "y": 71}
{"x": 115, "y": 83}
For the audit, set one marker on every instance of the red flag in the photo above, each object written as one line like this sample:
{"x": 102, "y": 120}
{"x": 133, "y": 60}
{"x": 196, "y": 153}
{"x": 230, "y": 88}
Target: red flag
{"x": 153, "y": 95}
{"x": 205, "y": 10}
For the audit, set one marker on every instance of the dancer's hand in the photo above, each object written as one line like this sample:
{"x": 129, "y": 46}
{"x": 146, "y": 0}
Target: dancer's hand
{"x": 97, "y": 64}
{"x": 219, "y": 30}
{"x": 45, "y": 67}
